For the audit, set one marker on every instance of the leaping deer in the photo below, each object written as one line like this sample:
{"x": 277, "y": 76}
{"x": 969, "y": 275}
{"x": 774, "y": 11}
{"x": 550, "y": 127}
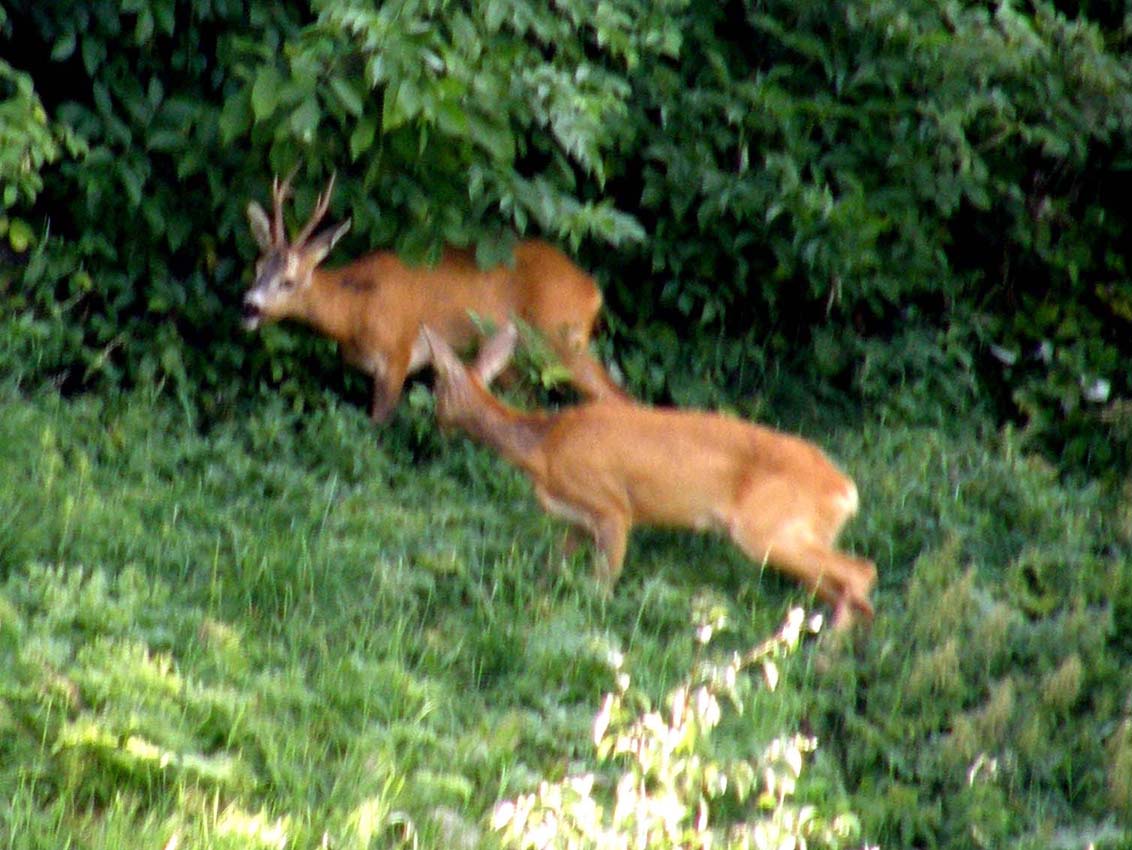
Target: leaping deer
{"x": 610, "y": 466}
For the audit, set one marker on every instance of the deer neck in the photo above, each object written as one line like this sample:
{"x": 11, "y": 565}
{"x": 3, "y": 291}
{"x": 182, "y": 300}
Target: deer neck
{"x": 518, "y": 436}
{"x": 332, "y": 303}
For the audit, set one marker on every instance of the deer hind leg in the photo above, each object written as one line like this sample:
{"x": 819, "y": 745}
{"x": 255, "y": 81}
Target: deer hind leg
{"x": 589, "y": 376}
{"x": 840, "y": 581}
{"x": 860, "y": 576}
{"x": 572, "y": 540}
{"x": 380, "y": 404}
{"x": 570, "y": 340}
{"x": 610, "y": 536}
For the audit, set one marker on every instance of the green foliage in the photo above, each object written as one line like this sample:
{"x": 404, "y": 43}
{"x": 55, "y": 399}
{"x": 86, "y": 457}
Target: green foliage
{"x": 305, "y": 580}
{"x": 991, "y": 725}
{"x": 986, "y": 708}
{"x": 93, "y": 706}
{"x": 129, "y": 285}
{"x": 28, "y": 144}
{"x": 450, "y": 105}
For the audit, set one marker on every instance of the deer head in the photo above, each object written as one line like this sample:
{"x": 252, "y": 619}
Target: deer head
{"x": 283, "y": 271}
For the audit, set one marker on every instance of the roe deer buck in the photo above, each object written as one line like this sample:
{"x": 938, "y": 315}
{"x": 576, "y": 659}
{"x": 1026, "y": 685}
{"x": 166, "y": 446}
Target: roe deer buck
{"x": 609, "y": 466}
{"x": 374, "y": 307}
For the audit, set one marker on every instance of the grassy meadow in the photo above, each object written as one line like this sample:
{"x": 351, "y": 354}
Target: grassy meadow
{"x": 284, "y": 631}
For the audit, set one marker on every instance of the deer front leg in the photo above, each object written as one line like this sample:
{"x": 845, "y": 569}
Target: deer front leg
{"x": 387, "y": 384}
{"x": 590, "y": 378}
{"x": 610, "y": 530}
{"x": 381, "y": 402}
{"x": 611, "y": 533}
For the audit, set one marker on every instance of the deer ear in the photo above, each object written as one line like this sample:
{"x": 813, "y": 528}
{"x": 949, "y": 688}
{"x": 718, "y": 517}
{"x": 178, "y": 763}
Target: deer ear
{"x": 496, "y": 353}
{"x": 260, "y": 225}
{"x": 320, "y": 246}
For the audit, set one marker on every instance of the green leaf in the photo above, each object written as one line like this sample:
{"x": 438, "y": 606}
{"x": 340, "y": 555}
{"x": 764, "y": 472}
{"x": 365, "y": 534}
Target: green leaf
{"x": 265, "y": 92}
{"x": 20, "y": 235}
{"x": 402, "y": 105}
{"x": 165, "y": 12}
{"x": 495, "y": 139}
{"x": 143, "y": 30}
{"x": 347, "y": 95}
{"x": 362, "y": 138}
{"x": 94, "y": 53}
{"x": 390, "y": 119}
{"x": 64, "y": 47}
{"x": 494, "y": 15}
{"x": 234, "y": 118}
{"x": 102, "y": 100}
{"x": 132, "y": 181}
{"x": 177, "y": 230}
{"x": 191, "y": 161}
{"x": 180, "y": 111}
{"x": 304, "y": 120}
{"x": 166, "y": 141}
{"x": 452, "y": 119}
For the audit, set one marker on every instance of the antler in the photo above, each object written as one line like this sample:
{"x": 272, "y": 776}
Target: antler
{"x": 279, "y": 193}
{"x": 319, "y": 211}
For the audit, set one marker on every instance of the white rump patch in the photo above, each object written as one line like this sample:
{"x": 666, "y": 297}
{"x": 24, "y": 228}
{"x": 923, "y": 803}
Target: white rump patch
{"x": 849, "y": 501}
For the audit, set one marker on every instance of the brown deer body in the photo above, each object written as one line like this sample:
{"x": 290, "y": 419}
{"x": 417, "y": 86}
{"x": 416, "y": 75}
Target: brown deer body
{"x": 375, "y": 306}
{"x": 610, "y": 466}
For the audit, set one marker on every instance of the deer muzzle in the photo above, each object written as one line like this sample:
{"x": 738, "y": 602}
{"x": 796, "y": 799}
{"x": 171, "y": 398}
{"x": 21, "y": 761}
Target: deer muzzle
{"x": 251, "y": 316}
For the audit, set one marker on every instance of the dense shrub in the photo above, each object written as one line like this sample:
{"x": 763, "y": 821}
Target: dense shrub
{"x": 129, "y": 282}
{"x": 865, "y": 191}
{"x": 29, "y": 143}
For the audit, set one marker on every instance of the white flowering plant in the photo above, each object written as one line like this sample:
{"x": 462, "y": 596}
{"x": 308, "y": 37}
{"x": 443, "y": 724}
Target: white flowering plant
{"x": 666, "y": 786}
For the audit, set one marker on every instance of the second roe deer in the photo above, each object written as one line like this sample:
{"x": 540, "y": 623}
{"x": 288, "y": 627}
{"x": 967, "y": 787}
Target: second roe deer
{"x": 609, "y": 466}
{"x": 374, "y": 307}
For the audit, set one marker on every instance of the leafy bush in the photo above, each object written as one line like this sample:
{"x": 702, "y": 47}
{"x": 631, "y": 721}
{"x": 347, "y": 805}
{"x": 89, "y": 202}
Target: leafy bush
{"x": 988, "y": 707}
{"x": 799, "y": 188}
{"x": 126, "y": 288}
{"x": 463, "y": 119}
{"x": 28, "y": 144}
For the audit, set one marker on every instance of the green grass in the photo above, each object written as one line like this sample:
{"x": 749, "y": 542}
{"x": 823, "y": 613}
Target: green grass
{"x": 291, "y": 631}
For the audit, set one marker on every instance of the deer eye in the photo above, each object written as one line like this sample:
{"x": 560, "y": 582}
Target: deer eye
{"x": 286, "y": 283}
